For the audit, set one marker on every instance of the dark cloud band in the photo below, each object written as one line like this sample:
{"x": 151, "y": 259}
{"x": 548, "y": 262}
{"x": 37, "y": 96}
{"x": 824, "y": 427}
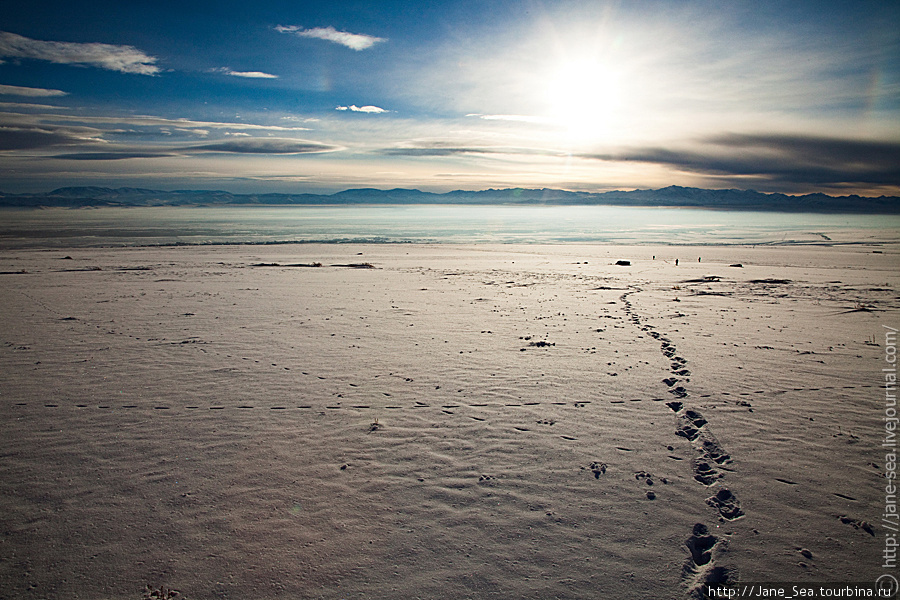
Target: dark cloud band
{"x": 238, "y": 146}
{"x": 264, "y": 146}
{"x": 777, "y": 158}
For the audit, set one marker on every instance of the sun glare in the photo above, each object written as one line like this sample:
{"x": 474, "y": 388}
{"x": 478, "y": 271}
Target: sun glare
{"x": 583, "y": 97}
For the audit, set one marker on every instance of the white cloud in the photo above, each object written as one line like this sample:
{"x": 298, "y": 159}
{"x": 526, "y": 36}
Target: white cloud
{"x": 362, "y": 109}
{"x": 253, "y": 75}
{"x": 125, "y": 59}
{"x": 246, "y": 74}
{"x": 197, "y": 132}
{"x": 355, "y": 41}
{"x": 15, "y": 90}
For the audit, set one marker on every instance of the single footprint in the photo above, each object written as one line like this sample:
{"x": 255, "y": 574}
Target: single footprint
{"x": 727, "y": 504}
{"x": 699, "y": 570}
{"x": 701, "y": 544}
{"x": 714, "y": 452}
{"x": 696, "y": 418}
{"x": 689, "y": 424}
{"x": 705, "y": 473}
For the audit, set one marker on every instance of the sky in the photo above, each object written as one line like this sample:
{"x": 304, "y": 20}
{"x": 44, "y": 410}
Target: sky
{"x": 791, "y": 96}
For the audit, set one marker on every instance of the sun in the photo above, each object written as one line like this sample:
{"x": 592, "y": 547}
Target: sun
{"x": 583, "y": 97}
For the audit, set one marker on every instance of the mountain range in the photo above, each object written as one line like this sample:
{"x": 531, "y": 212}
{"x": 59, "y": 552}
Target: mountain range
{"x": 672, "y": 196}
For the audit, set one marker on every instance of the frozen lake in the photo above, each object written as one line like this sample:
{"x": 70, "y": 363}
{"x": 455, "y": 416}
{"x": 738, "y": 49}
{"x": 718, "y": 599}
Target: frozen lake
{"x": 433, "y": 224}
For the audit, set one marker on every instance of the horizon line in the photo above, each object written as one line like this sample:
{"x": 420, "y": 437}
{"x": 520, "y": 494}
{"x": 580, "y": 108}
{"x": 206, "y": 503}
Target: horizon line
{"x": 459, "y": 190}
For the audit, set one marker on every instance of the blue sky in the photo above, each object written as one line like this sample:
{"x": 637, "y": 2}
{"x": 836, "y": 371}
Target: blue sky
{"x": 792, "y": 96}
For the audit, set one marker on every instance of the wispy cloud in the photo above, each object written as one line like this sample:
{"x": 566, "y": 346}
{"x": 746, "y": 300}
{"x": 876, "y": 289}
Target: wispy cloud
{"x": 47, "y": 130}
{"x": 514, "y": 118}
{"x": 246, "y": 74}
{"x": 111, "y": 155}
{"x": 437, "y": 151}
{"x": 440, "y": 148}
{"x": 355, "y": 41}
{"x": 125, "y": 59}
{"x": 362, "y": 109}
{"x": 148, "y": 121}
{"x": 30, "y": 106}
{"x": 15, "y": 90}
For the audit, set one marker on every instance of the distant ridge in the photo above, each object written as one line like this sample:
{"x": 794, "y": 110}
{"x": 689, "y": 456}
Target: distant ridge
{"x": 672, "y": 196}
